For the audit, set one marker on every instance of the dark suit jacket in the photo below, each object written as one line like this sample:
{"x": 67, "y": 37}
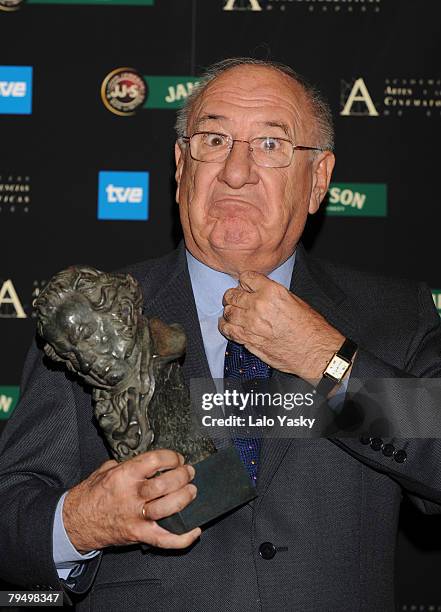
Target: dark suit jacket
{"x": 330, "y": 506}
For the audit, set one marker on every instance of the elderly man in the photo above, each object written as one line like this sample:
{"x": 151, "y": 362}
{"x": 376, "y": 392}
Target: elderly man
{"x": 253, "y": 158}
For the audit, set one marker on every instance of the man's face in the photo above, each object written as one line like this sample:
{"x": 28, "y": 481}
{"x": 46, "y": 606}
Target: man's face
{"x": 90, "y": 341}
{"x": 236, "y": 215}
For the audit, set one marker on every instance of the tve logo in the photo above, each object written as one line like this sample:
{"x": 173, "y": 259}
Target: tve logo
{"x": 16, "y": 90}
{"x": 123, "y": 196}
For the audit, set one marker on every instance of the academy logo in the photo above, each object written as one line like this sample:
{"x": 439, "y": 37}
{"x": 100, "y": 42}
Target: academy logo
{"x": 356, "y": 99}
{"x": 16, "y": 90}
{"x": 123, "y": 196}
{"x": 436, "y": 294}
{"x": 123, "y": 91}
{"x": 357, "y": 200}
{"x": 10, "y": 304}
{"x": 15, "y": 193}
{"x": 8, "y": 400}
{"x": 391, "y": 97}
{"x": 324, "y": 6}
{"x": 242, "y": 5}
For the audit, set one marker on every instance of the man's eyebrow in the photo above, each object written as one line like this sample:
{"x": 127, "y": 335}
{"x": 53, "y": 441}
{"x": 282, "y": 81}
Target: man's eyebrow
{"x": 277, "y": 124}
{"x": 209, "y": 117}
{"x": 214, "y": 117}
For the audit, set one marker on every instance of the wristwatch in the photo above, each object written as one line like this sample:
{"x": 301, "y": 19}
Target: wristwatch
{"x": 337, "y": 367}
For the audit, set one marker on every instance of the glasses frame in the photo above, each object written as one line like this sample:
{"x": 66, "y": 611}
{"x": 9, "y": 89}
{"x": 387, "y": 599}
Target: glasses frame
{"x": 187, "y": 139}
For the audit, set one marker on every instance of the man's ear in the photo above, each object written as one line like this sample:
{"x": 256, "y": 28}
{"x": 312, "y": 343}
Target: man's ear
{"x": 179, "y": 159}
{"x": 323, "y": 166}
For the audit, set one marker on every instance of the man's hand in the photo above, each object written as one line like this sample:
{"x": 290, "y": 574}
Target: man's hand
{"x": 107, "y": 508}
{"x": 278, "y": 327}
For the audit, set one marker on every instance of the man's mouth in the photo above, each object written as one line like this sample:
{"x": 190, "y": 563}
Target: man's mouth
{"x": 234, "y": 201}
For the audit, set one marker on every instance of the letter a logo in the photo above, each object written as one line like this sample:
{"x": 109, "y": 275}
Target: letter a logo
{"x": 359, "y": 94}
{"x": 242, "y": 5}
{"x": 8, "y": 295}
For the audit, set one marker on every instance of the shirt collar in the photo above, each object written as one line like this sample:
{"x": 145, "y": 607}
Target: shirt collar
{"x": 210, "y": 285}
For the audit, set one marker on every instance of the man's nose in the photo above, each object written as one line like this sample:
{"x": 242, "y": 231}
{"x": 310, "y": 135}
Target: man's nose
{"x": 239, "y": 168}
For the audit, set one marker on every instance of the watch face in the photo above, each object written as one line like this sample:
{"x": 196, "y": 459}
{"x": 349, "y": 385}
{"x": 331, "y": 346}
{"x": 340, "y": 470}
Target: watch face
{"x": 337, "y": 367}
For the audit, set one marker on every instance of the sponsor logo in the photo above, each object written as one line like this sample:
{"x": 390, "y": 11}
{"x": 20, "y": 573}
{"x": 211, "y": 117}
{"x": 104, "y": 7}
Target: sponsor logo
{"x": 123, "y": 196}
{"x": 168, "y": 91}
{"x": 8, "y": 400}
{"x": 357, "y": 200}
{"x": 10, "y": 304}
{"x": 330, "y": 6}
{"x": 16, "y": 90}
{"x": 123, "y": 91}
{"x": 436, "y": 294}
{"x": 390, "y": 96}
{"x": 96, "y": 2}
{"x": 10, "y": 5}
{"x": 15, "y": 193}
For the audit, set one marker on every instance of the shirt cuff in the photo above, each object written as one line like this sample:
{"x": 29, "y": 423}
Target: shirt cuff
{"x": 65, "y": 554}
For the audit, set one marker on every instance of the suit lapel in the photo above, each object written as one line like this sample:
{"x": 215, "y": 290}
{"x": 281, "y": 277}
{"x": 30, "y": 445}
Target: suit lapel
{"x": 174, "y": 303}
{"x": 316, "y": 288}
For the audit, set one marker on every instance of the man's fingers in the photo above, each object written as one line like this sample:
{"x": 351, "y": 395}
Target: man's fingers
{"x": 170, "y": 504}
{"x": 151, "y": 462}
{"x": 231, "y": 332}
{"x": 236, "y": 316}
{"x": 161, "y": 538}
{"x": 168, "y": 482}
{"x": 252, "y": 281}
{"x": 236, "y": 297}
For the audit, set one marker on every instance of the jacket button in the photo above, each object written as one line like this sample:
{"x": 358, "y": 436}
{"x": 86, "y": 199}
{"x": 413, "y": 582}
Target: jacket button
{"x": 388, "y": 450}
{"x": 376, "y": 444}
{"x": 400, "y": 456}
{"x": 267, "y": 550}
{"x": 365, "y": 439}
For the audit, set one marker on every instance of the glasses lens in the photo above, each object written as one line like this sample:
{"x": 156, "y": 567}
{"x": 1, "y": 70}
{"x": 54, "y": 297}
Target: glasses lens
{"x": 209, "y": 147}
{"x": 271, "y": 152}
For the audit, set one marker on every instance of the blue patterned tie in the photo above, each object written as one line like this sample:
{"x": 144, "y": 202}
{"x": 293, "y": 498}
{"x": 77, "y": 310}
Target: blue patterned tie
{"x": 241, "y": 365}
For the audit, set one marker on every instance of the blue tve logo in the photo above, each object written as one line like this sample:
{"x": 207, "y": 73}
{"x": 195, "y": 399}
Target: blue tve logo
{"x": 16, "y": 90}
{"x": 123, "y": 196}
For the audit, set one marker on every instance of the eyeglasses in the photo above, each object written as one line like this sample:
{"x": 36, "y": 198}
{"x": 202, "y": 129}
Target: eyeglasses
{"x": 266, "y": 151}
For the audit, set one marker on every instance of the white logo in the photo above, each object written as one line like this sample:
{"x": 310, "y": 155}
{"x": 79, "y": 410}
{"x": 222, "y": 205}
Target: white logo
{"x": 347, "y": 197}
{"x": 5, "y": 403}
{"x": 180, "y": 91}
{"x": 249, "y": 5}
{"x": 8, "y": 295}
{"x": 13, "y": 89}
{"x": 359, "y": 93}
{"x": 132, "y": 195}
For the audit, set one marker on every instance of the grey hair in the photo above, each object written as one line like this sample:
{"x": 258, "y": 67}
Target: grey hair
{"x": 319, "y": 107}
